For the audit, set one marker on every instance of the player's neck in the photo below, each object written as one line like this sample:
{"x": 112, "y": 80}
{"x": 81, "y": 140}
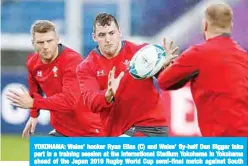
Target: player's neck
{"x": 210, "y": 35}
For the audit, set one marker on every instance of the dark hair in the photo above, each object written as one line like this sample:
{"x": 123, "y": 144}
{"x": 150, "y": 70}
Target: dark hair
{"x": 104, "y": 19}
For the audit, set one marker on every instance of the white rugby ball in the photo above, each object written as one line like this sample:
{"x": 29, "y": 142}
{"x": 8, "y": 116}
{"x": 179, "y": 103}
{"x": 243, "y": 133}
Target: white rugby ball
{"x": 147, "y": 61}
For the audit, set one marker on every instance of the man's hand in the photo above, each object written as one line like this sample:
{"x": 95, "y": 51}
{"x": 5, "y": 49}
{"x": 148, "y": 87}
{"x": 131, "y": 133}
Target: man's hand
{"x": 170, "y": 52}
{"x": 20, "y": 99}
{"x": 113, "y": 84}
{"x": 30, "y": 127}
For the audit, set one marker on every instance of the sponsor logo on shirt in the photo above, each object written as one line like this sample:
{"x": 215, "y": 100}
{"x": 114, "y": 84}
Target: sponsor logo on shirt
{"x": 100, "y": 73}
{"x": 39, "y": 73}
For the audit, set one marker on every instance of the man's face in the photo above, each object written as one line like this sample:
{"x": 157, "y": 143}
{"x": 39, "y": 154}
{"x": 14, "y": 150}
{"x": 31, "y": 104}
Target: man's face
{"x": 46, "y": 44}
{"x": 108, "y": 39}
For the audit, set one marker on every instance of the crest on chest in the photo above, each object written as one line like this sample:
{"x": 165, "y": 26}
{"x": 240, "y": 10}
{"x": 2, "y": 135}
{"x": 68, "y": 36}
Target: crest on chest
{"x": 55, "y": 71}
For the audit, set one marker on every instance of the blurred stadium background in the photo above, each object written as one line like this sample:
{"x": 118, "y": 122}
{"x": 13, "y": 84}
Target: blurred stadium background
{"x": 140, "y": 20}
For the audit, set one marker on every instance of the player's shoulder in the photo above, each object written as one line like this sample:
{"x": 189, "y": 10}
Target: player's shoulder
{"x": 32, "y": 59}
{"x": 193, "y": 53}
{"x": 195, "y": 48}
{"x": 132, "y": 47}
{"x": 87, "y": 62}
{"x": 68, "y": 58}
{"x": 131, "y": 44}
{"x": 68, "y": 53}
{"x": 85, "y": 66}
{"x": 93, "y": 56}
{"x": 239, "y": 47}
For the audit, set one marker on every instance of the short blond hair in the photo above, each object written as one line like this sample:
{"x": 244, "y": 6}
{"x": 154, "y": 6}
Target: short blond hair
{"x": 42, "y": 26}
{"x": 219, "y": 15}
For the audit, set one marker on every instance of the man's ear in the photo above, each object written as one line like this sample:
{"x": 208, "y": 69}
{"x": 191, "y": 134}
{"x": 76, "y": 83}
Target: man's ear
{"x": 120, "y": 33}
{"x": 94, "y": 37}
{"x": 231, "y": 26}
{"x": 33, "y": 43}
{"x": 205, "y": 26}
{"x": 58, "y": 37}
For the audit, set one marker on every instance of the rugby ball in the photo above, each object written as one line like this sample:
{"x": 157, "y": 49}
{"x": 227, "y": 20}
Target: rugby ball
{"x": 147, "y": 61}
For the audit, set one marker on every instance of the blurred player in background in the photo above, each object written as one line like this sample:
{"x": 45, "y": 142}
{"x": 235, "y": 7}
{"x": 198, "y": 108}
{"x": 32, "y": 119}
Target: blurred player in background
{"x": 52, "y": 70}
{"x": 127, "y": 107}
{"x": 218, "y": 72}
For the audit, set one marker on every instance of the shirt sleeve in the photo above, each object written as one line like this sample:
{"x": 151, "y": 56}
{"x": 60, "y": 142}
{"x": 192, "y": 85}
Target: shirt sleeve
{"x": 65, "y": 101}
{"x": 181, "y": 71}
{"x": 33, "y": 89}
{"x": 92, "y": 96}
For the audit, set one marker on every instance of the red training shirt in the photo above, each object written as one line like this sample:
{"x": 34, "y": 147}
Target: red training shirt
{"x": 59, "y": 82}
{"x": 218, "y": 72}
{"x": 137, "y": 102}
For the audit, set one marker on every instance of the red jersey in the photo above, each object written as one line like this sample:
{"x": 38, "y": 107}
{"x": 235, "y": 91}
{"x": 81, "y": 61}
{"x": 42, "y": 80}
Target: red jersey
{"x": 218, "y": 70}
{"x": 137, "y": 102}
{"x": 59, "y": 82}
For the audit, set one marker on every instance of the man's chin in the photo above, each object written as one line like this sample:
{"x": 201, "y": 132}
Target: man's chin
{"x": 46, "y": 58}
{"x": 110, "y": 53}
